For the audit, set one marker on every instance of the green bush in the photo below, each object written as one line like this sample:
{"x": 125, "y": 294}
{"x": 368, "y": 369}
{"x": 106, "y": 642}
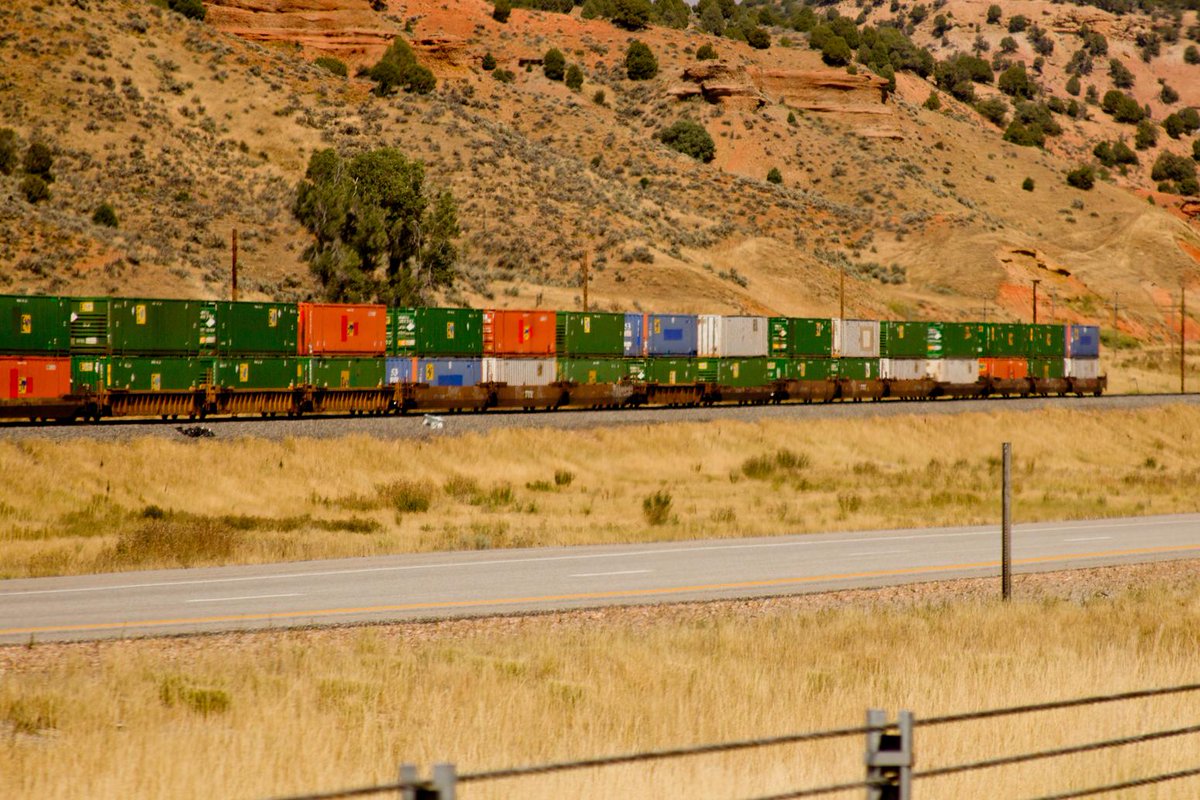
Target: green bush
{"x": 689, "y": 138}
{"x": 993, "y": 14}
{"x": 34, "y": 188}
{"x": 488, "y": 63}
{"x": 640, "y": 63}
{"x": 1082, "y": 177}
{"x": 705, "y": 52}
{"x": 835, "y": 51}
{"x": 105, "y": 215}
{"x": 192, "y": 9}
{"x": 1167, "y": 94}
{"x": 1073, "y": 86}
{"x": 574, "y": 78}
{"x": 1015, "y": 82}
{"x": 501, "y": 10}
{"x": 8, "y": 151}
{"x": 1017, "y": 23}
{"x": 632, "y": 15}
{"x": 399, "y": 67}
{"x": 1170, "y": 167}
{"x": 1174, "y": 126}
{"x": 933, "y": 102}
{"x": 334, "y": 65}
{"x": 554, "y": 64}
{"x": 1122, "y": 78}
{"x": 599, "y": 97}
{"x": 1122, "y": 107}
{"x": 774, "y": 176}
{"x": 1027, "y": 184}
{"x": 1191, "y": 55}
{"x": 39, "y": 161}
{"x": 993, "y": 110}
{"x": 657, "y": 507}
{"x": 757, "y": 38}
{"x": 504, "y": 75}
{"x": 1146, "y": 136}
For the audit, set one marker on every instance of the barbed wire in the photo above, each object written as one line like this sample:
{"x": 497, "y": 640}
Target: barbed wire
{"x": 820, "y": 790}
{"x": 358, "y": 791}
{"x": 1129, "y": 784}
{"x": 1055, "y": 704}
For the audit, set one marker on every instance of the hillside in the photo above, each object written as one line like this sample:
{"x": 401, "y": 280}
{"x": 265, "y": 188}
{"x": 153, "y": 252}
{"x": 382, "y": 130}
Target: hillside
{"x": 192, "y": 129}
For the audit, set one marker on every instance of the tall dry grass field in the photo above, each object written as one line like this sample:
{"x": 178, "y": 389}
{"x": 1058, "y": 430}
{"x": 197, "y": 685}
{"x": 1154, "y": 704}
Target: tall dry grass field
{"x": 246, "y": 715}
{"x": 91, "y": 506}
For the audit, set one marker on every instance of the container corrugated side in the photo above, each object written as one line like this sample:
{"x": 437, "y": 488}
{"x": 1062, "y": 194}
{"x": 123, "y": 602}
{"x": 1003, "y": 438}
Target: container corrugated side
{"x": 342, "y": 329}
{"x": 589, "y": 333}
{"x": 811, "y": 369}
{"x": 856, "y": 338}
{"x": 1004, "y": 368}
{"x": 34, "y": 324}
{"x": 434, "y": 371}
{"x": 1046, "y": 368}
{"x": 812, "y": 336}
{"x": 166, "y": 374}
{"x": 347, "y": 373}
{"x": 1006, "y": 340}
{"x": 1083, "y": 368}
{"x": 1047, "y": 341}
{"x": 519, "y": 333}
{"x": 151, "y": 327}
{"x": 520, "y": 371}
{"x": 1083, "y": 341}
{"x": 436, "y": 332}
{"x": 956, "y": 339}
{"x": 731, "y": 337}
{"x": 87, "y": 372}
{"x": 903, "y": 339}
{"x": 671, "y": 371}
{"x": 955, "y": 370}
{"x": 251, "y": 372}
{"x": 779, "y": 336}
{"x": 88, "y": 321}
{"x": 592, "y": 370}
{"x": 634, "y": 340}
{"x": 257, "y": 328}
{"x": 750, "y": 372}
{"x": 670, "y": 334}
{"x": 904, "y": 369}
{"x": 860, "y": 369}
{"x": 34, "y": 377}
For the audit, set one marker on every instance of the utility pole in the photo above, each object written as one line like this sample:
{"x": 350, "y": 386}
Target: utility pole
{"x": 1006, "y": 524}
{"x": 842, "y": 294}
{"x": 1182, "y": 338}
{"x": 1116, "y": 307}
{"x": 1036, "y": 281}
{"x": 586, "y": 259}
{"x": 234, "y": 292}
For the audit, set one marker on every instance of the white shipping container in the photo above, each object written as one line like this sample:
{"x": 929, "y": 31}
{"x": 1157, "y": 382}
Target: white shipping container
{"x": 520, "y": 371}
{"x": 855, "y": 338}
{"x": 904, "y": 369}
{"x": 731, "y": 337}
{"x": 954, "y": 370}
{"x": 1086, "y": 368}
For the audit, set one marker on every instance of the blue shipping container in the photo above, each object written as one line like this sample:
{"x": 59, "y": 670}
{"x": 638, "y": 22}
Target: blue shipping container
{"x": 635, "y": 342}
{"x": 434, "y": 371}
{"x": 671, "y": 334}
{"x": 1083, "y": 341}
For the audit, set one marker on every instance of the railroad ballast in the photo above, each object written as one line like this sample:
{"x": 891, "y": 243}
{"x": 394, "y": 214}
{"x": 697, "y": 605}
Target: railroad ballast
{"x": 71, "y": 357}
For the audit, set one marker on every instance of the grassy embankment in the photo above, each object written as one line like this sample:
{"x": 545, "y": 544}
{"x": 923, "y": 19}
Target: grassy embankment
{"x": 93, "y": 506}
{"x": 250, "y": 715}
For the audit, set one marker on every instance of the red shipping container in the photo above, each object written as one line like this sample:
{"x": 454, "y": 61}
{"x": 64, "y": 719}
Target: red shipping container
{"x": 519, "y": 333}
{"x": 34, "y": 378}
{"x": 342, "y": 329}
{"x": 1004, "y": 368}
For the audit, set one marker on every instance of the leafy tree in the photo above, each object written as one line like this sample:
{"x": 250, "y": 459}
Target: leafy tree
{"x": 1191, "y": 120}
{"x": 845, "y": 28}
{"x": 1017, "y": 23}
{"x": 632, "y": 15}
{"x": 712, "y": 20}
{"x": 1170, "y": 167}
{"x": 672, "y": 13}
{"x": 8, "y": 151}
{"x": 941, "y": 25}
{"x": 933, "y": 102}
{"x": 399, "y": 67}
{"x": 1015, "y": 82}
{"x": 105, "y": 215}
{"x": 598, "y": 97}
{"x": 1122, "y": 107}
{"x": 39, "y": 160}
{"x": 836, "y": 52}
{"x": 34, "y": 188}
{"x": 1073, "y": 86}
{"x": 574, "y": 78}
{"x": 504, "y": 75}
{"x": 192, "y": 9}
{"x": 1174, "y": 126}
{"x": 757, "y": 38}
{"x": 489, "y": 62}
{"x": 1027, "y": 184}
{"x": 640, "y": 63}
{"x": 501, "y": 10}
{"x": 1114, "y": 154}
{"x": 774, "y": 176}
{"x": 1008, "y": 45}
{"x": 1122, "y": 78}
{"x": 1025, "y": 135}
{"x": 1191, "y": 55}
{"x": 379, "y": 233}
{"x": 689, "y": 138}
{"x": 1082, "y": 177}
{"x": 1146, "y": 136}
{"x": 332, "y": 65}
{"x": 1196, "y": 150}
{"x": 705, "y": 52}
{"x": 554, "y": 64}
{"x": 993, "y": 110}
{"x": 1168, "y": 95}
{"x": 993, "y": 14}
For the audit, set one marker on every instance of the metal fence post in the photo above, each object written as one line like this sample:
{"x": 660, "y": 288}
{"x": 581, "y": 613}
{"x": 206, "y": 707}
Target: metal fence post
{"x": 889, "y": 757}
{"x": 445, "y": 779}
{"x": 1006, "y": 526}
{"x": 408, "y": 777}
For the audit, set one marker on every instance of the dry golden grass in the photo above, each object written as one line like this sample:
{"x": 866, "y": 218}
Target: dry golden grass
{"x": 68, "y": 508}
{"x": 246, "y": 715}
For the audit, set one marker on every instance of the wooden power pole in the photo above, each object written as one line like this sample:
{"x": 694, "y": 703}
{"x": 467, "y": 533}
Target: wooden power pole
{"x": 586, "y": 259}
{"x": 234, "y": 293}
{"x": 1036, "y": 281}
{"x": 1182, "y": 338}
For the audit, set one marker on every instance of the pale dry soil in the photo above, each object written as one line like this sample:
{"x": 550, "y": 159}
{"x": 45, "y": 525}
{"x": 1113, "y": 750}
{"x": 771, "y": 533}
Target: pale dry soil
{"x": 91, "y": 506}
{"x": 256, "y": 714}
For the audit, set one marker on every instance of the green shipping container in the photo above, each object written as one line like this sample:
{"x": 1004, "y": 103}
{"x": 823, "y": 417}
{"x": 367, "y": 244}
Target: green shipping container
{"x": 88, "y": 373}
{"x": 88, "y": 324}
{"x": 257, "y": 328}
{"x": 746, "y": 372}
{"x": 956, "y": 339}
{"x": 347, "y": 373}
{"x": 904, "y": 339}
{"x": 435, "y": 332}
{"x": 671, "y": 370}
{"x": 1046, "y": 341}
{"x": 147, "y": 374}
{"x": 1046, "y": 368}
{"x": 161, "y": 326}
{"x": 1006, "y": 340}
{"x": 33, "y": 324}
{"x": 812, "y": 337}
{"x": 589, "y": 333}
{"x": 589, "y": 370}
{"x": 811, "y": 369}
{"x": 779, "y": 336}
{"x": 261, "y": 373}
{"x": 859, "y": 369}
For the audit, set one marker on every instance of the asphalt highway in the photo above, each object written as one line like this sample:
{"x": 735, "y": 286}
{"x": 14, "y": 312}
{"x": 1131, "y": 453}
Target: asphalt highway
{"x": 441, "y": 585}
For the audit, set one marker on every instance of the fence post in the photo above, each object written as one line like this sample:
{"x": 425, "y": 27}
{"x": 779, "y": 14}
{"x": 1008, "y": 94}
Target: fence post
{"x": 1006, "y": 526}
{"x": 408, "y": 777}
{"x": 445, "y": 779}
{"x": 889, "y": 757}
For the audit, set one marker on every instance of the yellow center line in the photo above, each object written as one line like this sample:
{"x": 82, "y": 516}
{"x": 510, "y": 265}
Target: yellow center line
{"x": 627, "y": 593}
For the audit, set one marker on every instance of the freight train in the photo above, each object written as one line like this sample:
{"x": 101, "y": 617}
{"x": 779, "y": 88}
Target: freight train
{"x": 65, "y": 358}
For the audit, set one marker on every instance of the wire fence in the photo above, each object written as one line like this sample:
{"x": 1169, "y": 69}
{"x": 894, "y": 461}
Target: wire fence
{"x": 888, "y": 756}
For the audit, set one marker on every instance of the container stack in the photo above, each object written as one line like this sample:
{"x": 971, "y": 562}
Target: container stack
{"x": 1083, "y": 352}
{"x": 34, "y": 341}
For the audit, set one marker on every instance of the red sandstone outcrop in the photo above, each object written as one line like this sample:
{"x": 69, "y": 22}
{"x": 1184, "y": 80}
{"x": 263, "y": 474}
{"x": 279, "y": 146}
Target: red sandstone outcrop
{"x": 347, "y": 29}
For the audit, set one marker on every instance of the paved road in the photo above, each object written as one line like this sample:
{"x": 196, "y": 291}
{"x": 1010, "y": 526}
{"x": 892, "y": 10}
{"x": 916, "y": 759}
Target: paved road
{"x": 410, "y": 426}
{"x": 476, "y": 583}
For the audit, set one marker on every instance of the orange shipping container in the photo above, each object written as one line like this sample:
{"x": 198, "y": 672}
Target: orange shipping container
{"x": 342, "y": 329}
{"x": 34, "y": 378}
{"x": 519, "y": 333}
{"x": 1004, "y": 368}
